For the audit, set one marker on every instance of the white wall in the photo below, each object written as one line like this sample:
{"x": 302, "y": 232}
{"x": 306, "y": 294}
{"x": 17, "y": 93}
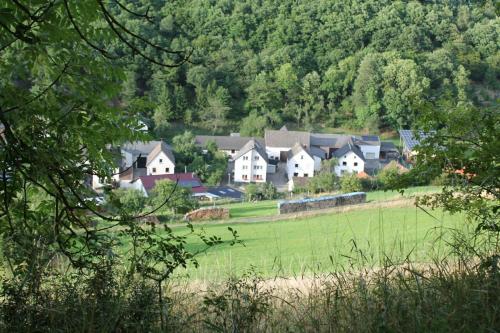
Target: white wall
{"x": 350, "y": 159}
{"x": 161, "y": 165}
{"x": 301, "y": 164}
{"x": 317, "y": 163}
{"x": 250, "y": 164}
{"x": 370, "y": 152}
{"x": 136, "y": 185}
{"x": 98, "y": 183}
{"x": 274, "y": 152}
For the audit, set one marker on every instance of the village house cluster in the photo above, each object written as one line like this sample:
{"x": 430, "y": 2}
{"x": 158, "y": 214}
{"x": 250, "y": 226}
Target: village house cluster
{"x": 281, "y": 157}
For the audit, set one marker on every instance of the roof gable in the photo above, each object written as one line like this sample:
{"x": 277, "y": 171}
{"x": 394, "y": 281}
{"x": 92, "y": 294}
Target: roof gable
{"x": 161, "y": 147}
{"x": 298, "y": 149}
{"x": 349, "y": 147}
{"x": 252, "y": 145}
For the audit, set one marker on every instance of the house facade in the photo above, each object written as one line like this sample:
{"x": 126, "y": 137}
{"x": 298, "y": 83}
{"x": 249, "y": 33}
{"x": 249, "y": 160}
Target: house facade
{"x": 160, "y": 160}
{"x": 350, "y": 160}
{"x": 300, "y": 163}
{"x": 250, "y": 164}
{"x": 136, "y": 159}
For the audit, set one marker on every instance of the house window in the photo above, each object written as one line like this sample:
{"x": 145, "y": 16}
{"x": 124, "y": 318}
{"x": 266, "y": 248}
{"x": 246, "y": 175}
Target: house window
{"x": 296, "y": 165}
{"x": 355, "y": 163}
{"x": 301, "y": 157}
{"x": 295, "y": 174}
{"x": 233, "y": 151}
{"x": 256, "y": 158}
{"x": 167, "y": 169}
{"x": 344, "y": 163}
{"x": 245, "y": 167}
{"x": 245, "y": 177}
{"x": 154, "y": 170}
{"x": 161, "y": 160}
{"x": 245, "y": 158}
{"x": 306, "y": 175}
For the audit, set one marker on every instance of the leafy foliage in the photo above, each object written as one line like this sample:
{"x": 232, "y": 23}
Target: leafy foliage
{"x": 368, "y": 64}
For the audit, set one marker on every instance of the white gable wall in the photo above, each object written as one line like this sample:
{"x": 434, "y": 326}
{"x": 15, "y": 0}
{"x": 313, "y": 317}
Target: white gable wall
{"x": 250, "y": 167}
{"x": 350, "y": 163}
{"x": 161, "y": 165}
{"x": 300, "y": 165}
{"x": 370, "y": 152}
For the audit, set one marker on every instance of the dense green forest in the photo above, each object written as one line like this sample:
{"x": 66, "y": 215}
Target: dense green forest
{"x": 360, "y": 64}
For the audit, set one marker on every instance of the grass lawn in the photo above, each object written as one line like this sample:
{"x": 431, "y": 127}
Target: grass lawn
{"x": 269, "y": 207}
{"x": 324, "y": 243}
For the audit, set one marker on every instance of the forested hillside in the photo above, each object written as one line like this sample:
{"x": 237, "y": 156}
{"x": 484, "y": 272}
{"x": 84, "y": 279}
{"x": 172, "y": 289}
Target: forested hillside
{"x": 367, "y": 64}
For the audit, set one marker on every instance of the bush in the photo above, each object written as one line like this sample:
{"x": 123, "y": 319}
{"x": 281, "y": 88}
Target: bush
{"x": 263, "y": 191}
{"x": 350, "y": 183}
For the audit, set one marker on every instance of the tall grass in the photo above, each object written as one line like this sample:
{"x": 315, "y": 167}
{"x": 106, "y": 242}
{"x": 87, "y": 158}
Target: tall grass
{"x": 382, "y": 289}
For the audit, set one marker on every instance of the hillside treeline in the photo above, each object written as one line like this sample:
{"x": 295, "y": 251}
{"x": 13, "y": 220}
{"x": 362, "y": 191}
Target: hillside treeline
{"x": 368, "y": 64}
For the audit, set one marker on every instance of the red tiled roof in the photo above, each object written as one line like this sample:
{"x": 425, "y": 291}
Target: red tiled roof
{"x": 187, "y": 180}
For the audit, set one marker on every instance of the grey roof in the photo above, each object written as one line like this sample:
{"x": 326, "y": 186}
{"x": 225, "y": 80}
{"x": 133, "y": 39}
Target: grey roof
{"x": 225, "y": 142}
{"x": 388, "y": 146}
{"x": 409, "y": 139}
{"x": 315, "y": 151}
{"x": 286, "y": 139}
{"x": 347, "y": 148}
{"x": 225, "y": 192}
{"x": 252, "y": 144}
{"x": 329, "y": 140}
{"x": 161, "y": 147}
{"x": 139, "y": 147}
{"x": 297, "y": 149}
{"x": 367, "y": 140}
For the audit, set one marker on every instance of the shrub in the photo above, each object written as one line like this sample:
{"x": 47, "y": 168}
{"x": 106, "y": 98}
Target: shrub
{"x": 350, "y": 183}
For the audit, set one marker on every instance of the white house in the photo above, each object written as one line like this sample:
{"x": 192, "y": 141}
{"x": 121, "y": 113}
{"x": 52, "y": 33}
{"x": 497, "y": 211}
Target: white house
{"x": 350, "y": 160}
{"x": 136, "y": 159}
{"x": 250, "y": 164}
{"x": 300, "y": 163}
{"x": 160, "y": 160}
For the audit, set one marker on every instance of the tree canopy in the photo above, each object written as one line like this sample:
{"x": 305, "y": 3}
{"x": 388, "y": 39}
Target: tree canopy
{"x": 366, "y": 64}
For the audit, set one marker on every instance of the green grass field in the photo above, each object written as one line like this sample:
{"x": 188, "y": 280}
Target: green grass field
{"x": 325, "y": 243}
{"x": 269, "y": 207}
